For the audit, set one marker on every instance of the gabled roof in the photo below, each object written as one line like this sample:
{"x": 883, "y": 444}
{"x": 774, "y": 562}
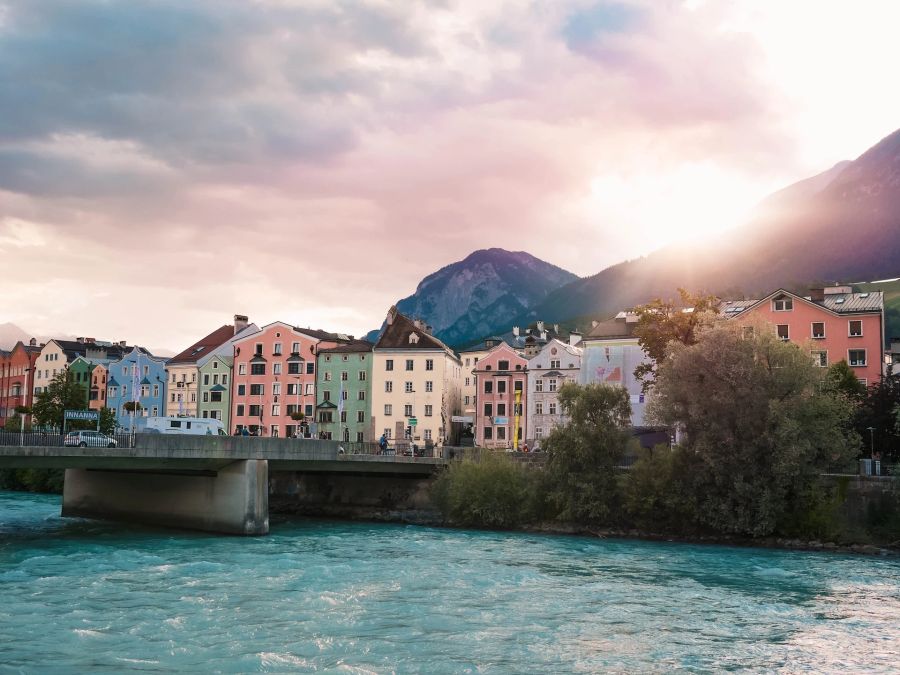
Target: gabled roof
{"x": 398, "y": 331}
{"x": 326, "y": 404}
{"x": 617, "y": 327}
{"x": 355, "y": 347}
{"x": 203, "y": 346}
{"x": 112, "y": 382}
{"x": 836, "y": 303}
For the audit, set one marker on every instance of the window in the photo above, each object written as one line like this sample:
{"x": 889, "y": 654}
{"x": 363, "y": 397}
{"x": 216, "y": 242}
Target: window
{"x": 293, "y": 389}
{"x": 427, "y": 435}
{"x": 517, "y": 385}
{"x": 276, "y": 409}
{"x": 857, "y": 357}
{"x": 225, "y": 378}
{"x": 554, "y": 364}
{"x": 407, "y": 410}
{"x": 276, "y": 369}
{"x": 503, "y": 365}
{"x": 326, "y": 416}
{"x": 783, "y": 331}
{"x": 552, "y": 407}
{"x": 360, "y": 415}
{"x": 295, "y": 348}
{"x": 216, "y": 397}
{"x": 242, "y": 370}
{"x": 501, "y": 387}
{"x": 820, "y": 359}
{"x": 308, "y": 410}
{"x": 429, "y": 386}
{"x": 467, "y": 362}
{"x": 205, "y": 380}
{"x": 409, "y": 364}
{"x": 501, "y": 410}
{"x": 344, "y": 394}
{"x": 388, "y": 410}
{"x": 256, "y": 390}
{"x": 539, "y": 432}
{"x": 407, "y": 387}
{"x": 387, "y": 433}
{"x": 501, "y": 433}
{"x": 344, "y": 376}
{"x": 206, "y": 397}
{"x": 467, "y": 382}
{"x": 362, "y": 376}
{"x": 783, "y": 304}
{"x": 294, "y": 368}
{"x": 216, "y": 378}
{"x": 539, "y": 385}
{"x": 255, "y": 410}
{"x": 257, "y": 368}
{"x": 193, "y": 397}
{"x": 488, "y": 409}
{"x": 359, "y": 437}
{"x": 277, "y": 350}
{"x": 309, "y": 388}
{"x": 856, "y": 329}
{"x": 215, "y": 365}
{"x": 276, "y": 388}
{"x": 428, "y": 409}
{"x": 326, "y": 395}
{"x": 343, "y": 417}
{"x": 552, "y": 384}
{"x": 539, "y": 408}
{"x": 310, "y": 368}
{"x": 389, "y": 364}
{"x": 361, "y": 396}
{"x": 327, "y": 376}
{"x": 388, "y": 386}
{"x": 259, "y": 347}
{"x": 818, "y": 330}
{"x": 488, "y": 433}
{"x": 242, "y": 390}
{"x": 429, "y": 364}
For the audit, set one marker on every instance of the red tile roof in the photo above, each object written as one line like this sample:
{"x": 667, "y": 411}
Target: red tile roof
{"x": 204, "y": 346}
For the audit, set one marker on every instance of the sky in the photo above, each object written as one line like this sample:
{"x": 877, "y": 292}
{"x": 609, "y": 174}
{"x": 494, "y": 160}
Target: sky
{"x": 165, "y": 165}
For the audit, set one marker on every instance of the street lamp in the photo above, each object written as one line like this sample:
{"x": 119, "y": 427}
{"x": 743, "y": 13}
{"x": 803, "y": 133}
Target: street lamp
{"x": 24, "y": 400}
{"x": 872, "y": 442}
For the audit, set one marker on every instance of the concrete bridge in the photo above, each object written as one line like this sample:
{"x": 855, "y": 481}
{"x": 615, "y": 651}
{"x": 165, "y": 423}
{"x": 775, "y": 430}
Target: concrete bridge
{"x": 212, "y": 483}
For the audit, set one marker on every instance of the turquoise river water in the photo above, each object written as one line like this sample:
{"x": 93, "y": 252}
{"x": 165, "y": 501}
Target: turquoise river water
{"x": 83, "y": 596}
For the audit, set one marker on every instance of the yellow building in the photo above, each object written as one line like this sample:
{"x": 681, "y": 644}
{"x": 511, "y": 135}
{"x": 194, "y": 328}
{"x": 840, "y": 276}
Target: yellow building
{"x": 415, "y": 384}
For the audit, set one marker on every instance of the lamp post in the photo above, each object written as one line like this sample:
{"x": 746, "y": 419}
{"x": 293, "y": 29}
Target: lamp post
{"x": 871, "y": 442}
{"x": 24, "y": 400}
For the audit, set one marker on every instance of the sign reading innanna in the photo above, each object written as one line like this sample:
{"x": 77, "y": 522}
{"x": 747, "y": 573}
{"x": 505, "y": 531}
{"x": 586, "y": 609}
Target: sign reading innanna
{"x": 90, "y": 415}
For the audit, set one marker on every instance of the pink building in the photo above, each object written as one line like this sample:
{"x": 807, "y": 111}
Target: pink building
{"x": 835, "y": 324}
{"x": 274, "y": 379}
{"x": 500, "y": 379}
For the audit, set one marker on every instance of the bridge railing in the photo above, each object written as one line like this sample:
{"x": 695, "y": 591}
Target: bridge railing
{"x": 47, "y": 439}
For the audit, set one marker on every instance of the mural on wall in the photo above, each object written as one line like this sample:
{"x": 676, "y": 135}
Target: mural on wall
{"x": 614, "y": 365}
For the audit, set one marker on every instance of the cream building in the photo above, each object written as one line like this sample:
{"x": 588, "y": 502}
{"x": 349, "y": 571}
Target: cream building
{"x": 416, "y": 377}
{"x": 556, "y": 364}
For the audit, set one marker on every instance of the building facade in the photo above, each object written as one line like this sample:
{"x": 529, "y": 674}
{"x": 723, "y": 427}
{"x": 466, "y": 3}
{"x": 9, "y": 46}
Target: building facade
{"x": 611, "y": 353}
{"x": 344, "y": 392}
{"x": 469, "y": 392}
{"x": 274, "y": 379}
{"x": 502, "y": 378}
{"x": 139, "y": 378}
{"x": 214, "y": 399}
{"x": 416, "y": 384}
{"x": 556, "y": 364}
{"x": 17, "y": 372}
{"x": 834, "y": 324}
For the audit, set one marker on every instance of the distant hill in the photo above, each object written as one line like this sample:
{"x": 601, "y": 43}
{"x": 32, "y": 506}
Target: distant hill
{"x": 482, "y": 294}
{"x": 842, "y": 225}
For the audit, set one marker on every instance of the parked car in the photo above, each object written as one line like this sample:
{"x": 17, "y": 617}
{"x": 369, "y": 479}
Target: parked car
{"x": 93, "y": 439}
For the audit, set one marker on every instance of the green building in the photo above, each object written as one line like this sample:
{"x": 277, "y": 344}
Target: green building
{"x": 344, "y": 371}
{"x": 214, "y": 390}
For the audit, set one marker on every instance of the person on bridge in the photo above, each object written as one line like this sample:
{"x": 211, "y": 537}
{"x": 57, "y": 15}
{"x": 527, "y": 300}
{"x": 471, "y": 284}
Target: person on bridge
{"x": 382, "y": 443}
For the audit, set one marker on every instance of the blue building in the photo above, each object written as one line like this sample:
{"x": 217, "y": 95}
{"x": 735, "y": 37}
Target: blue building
{"x": 138, "y": 377}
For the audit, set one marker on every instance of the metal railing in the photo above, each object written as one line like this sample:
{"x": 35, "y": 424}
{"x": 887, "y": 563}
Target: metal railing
{"x": 48, "y": 439}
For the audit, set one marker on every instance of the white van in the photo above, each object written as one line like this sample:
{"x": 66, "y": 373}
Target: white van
{"x": 185, "y": 425}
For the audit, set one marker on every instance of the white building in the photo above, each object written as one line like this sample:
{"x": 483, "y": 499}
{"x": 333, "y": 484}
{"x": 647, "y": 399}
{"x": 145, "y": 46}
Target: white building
{"x": 556, "y": 364}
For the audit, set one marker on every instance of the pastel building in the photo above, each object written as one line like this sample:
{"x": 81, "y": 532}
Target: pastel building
{"x": 17, "y": 371}
{"x": 416, "y": 384}
{"x": 137, "y": 377}
{"x": 611, "y": 353}
{"x": 215, "y": 388}
{"x": 834, "y": 324}
{"x": 344, "y": 392}
{"x": 57, "y": 355}
{"x": 502, "y": 377}
{"x": 275, "y": 379}
{"x": 470, "y": 358}
{"x": 183, "y": 369}
{"x": 556, "y": 364}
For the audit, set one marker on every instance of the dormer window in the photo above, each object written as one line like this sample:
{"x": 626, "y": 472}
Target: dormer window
{"x": 413, "y": 339}
{"x": 783, "y": 303}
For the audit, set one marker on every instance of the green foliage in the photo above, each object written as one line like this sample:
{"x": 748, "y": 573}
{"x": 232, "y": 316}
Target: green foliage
{"x": 758, "y": 424}
{"x": 582, "y": 455}
{"x": 62, "y": 394}
{"x": 813, "y": 513}
{"x": 493, "y": 491}
{"x": 15, "y": 424}
{"x": 108, "y": 421}
{"x": 660, "y": 493}
{"x": 662, "y": 322}
{"x": 841, "y": 378}
{"x": 879, "y": 410}
{"x": 132, "y": 406}
{"x": 32, "y": 480}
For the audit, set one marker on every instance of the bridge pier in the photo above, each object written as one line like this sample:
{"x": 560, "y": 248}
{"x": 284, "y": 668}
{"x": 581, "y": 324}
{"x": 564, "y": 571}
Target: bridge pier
{"x": 230, "y": 500}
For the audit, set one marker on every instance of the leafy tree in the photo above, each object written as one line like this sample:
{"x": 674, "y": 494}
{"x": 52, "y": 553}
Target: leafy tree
{"x": 841, "y": 377}
{"x": 583, "y": 455}
{"x": 661, "y": 322}
{"x": 878, "y": 409}
{"x": 108, "y": 420}
{"x": 757, "y": 421}
{"x": 62, "y": 394}
{"x": 658, "y": 490}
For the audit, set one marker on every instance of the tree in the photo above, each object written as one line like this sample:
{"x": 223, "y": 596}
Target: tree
{"x": 841, "y": 377}
{"x": 62, "y": 394}
{"x": 662, "y": 322}
{"x": 583, "y": 454}
{"x": 108, "y": 421}
{"x": 878, "y": 411}
{"x": 758, "y": 422}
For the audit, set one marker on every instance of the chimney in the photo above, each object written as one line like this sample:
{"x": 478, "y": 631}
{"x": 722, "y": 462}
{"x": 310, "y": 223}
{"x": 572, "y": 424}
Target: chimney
{"x": 391, "y": 315}
{"x": 516, "y": 331}
{"x": 817, "y": 294}
{"x": 123, "y": 343}
{"x": 32, "y": 342}
{"x": 240, "y": 323}
{"x": 574, "y": 338}
{"x": 540, "y": 326}
{"x": 79, "y": 340}
{"x": 543, "y": 335}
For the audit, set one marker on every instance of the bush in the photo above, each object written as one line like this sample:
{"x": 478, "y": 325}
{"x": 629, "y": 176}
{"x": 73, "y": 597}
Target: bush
{"x": 493, "y": 491}
{"x": 657, "y": 491}
{"x": 32, "y": 480}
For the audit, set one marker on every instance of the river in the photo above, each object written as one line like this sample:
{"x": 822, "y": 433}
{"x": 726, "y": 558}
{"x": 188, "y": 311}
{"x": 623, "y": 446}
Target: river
{"x": 86, "y": 596}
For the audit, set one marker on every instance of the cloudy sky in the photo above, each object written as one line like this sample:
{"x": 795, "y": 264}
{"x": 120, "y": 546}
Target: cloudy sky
{"x": 164, "y": 165}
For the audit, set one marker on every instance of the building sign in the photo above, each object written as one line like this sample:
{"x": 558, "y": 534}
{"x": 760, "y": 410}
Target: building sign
{"x": 91, "y": 415}
{"x": 501, "y": 420}
{"x": 413, "y": 421}
{"x": 465, "y": 419}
